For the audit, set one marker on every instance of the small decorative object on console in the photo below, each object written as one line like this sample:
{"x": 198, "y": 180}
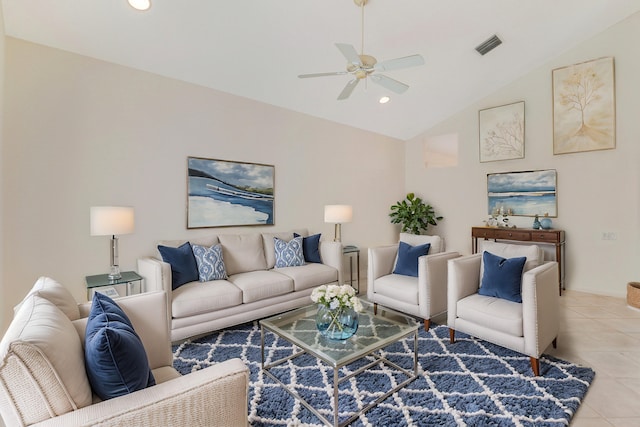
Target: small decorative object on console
{"x": 338, "y": 307}
{"x": 545, "y": 222}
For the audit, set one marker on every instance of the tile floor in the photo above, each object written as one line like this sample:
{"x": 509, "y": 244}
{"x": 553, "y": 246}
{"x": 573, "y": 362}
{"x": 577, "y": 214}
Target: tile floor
{"x": 603, "y": 333}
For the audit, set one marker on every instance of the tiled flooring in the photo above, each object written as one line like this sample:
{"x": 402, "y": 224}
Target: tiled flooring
{"x": 604, "y": 334}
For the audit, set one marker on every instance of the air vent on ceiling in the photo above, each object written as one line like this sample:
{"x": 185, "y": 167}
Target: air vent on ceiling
{"x": 488, "y": 45}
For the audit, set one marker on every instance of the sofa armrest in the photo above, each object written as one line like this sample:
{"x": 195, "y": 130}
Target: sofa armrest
{"x": 215, "y": 396}
{"x": 463, "y": 279}
{"x": 540, "y": 305}
{"x": 157, "y": 277}
{"x": 380, "y": 261}
{"x": 331, "y": 254}
{"x": 432, "y": 282}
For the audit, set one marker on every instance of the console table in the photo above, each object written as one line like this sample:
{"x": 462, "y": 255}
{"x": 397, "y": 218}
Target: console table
{"x": 549, "y": 237}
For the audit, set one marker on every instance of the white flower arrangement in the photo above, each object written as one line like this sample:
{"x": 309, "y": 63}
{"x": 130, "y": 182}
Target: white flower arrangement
{"x": 336, "y": 296}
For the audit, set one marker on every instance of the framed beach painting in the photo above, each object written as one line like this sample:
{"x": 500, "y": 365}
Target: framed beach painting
{"x": 584, "y": 107}
{"x": 224, "y": 193}
{"x": 523, "y": 193}
{"x": 502, "y": 132}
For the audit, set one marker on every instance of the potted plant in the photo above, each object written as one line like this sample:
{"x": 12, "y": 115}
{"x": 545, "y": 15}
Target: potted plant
{"x": 413, "y": 214}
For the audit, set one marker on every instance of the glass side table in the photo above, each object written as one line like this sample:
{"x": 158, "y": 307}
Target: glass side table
{"x": 101, "y": 280}
{"x": 352, "y": 252}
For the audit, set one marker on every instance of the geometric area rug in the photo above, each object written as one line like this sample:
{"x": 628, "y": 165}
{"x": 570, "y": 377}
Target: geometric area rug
{"x": 468, "y": 383}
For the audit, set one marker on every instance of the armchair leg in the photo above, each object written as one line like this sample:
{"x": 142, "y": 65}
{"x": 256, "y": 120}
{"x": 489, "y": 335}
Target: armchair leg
{"x": 452, "y": 335}
{"x": 427, "y": 323}
{"x": 535, "y": 365}
{"x": 375, "y": 308}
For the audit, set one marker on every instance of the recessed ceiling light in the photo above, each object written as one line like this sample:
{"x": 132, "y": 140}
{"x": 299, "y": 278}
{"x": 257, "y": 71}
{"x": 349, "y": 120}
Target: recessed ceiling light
{"x": 384, "y": 100}
{"x": 140, "y": 4}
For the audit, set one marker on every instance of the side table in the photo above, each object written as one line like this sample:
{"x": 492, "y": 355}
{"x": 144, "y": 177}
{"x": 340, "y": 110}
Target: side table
{"x": 102, "y": 280}
{"x": 352, "y": 252}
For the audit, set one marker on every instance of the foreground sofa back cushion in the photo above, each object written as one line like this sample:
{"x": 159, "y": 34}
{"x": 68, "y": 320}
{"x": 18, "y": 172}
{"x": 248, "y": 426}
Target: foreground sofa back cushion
{"x": 242, "y": 253}
{"x": 41, "y": 361}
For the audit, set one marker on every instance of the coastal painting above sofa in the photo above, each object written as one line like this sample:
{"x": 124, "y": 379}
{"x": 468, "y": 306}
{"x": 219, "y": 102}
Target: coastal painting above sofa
{"x": 224, "y": 193}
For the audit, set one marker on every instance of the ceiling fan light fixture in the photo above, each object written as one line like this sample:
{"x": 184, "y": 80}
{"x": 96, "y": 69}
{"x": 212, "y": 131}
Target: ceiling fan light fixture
{"x": 140, "y": 4}
{"x": 384, "y": 99}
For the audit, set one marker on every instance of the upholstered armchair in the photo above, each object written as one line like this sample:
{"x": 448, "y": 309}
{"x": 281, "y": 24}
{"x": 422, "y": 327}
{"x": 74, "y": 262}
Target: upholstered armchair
{"x": 519, "y": 309}
{"x": 390, "y": 284}
{"x": 44, "y": 382}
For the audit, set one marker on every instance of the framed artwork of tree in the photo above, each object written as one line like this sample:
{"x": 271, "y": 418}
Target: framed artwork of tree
{"x": 502, "y": 132}
{"x": 584, "y": 113}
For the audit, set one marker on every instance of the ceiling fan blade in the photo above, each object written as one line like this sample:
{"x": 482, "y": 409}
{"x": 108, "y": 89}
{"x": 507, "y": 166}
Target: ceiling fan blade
{"x": 346, "y": 92}
{"x": 335, "y": 73}
{"x": 389, "y": 83}
{"x": 350, "y": 53}
{"x": 404, "y": 62}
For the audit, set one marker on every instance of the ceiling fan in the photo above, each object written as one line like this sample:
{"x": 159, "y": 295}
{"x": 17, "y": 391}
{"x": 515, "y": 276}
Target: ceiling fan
{"x": 362, "y": 66}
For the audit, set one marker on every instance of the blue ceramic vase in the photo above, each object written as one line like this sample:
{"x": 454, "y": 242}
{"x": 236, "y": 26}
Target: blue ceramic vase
{"x": 339, "y": 324}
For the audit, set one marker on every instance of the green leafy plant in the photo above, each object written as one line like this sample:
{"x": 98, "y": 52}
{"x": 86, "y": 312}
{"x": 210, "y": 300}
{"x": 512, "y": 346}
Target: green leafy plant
{"x": 413, "y": 214}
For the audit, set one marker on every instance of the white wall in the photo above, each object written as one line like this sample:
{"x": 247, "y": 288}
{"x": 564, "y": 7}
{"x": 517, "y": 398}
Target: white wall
{"x": 597, "y": 191}
{"x": 81, "y": 132}
{"x": 2, "y": 296}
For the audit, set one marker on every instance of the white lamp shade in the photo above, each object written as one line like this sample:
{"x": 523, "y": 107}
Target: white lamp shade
{"x": 111, "y": 220}
{"x": 338, "y": 214}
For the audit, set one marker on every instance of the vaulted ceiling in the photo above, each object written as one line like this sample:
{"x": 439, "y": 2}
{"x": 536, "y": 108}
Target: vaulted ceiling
{"x": 257, "y": 48}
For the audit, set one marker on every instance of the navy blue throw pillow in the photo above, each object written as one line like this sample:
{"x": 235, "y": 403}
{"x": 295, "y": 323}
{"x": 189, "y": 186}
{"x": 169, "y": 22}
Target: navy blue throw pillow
{"x": 115, "y": 359}
{"x": 184, "y": 268}
{"x": 502, "y": 277}
{"x": 311, "y": 248}
{"x": 407, "y": 263}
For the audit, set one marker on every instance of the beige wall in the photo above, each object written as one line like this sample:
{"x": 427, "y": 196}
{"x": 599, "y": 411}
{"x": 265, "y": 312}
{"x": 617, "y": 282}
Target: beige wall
{"x": 2, "y": 41}
{"x": 82, "y": 132}
{"x": 597, "y": 191}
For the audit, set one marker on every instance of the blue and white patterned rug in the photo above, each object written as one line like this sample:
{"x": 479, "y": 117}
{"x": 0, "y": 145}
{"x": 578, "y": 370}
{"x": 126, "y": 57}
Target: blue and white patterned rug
{"x": 469, "y": 383}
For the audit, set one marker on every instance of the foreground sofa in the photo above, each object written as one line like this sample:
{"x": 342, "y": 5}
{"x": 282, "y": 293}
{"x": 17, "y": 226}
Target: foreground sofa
{"x": 253, "y": 289}
{"x": 43, "y": 381}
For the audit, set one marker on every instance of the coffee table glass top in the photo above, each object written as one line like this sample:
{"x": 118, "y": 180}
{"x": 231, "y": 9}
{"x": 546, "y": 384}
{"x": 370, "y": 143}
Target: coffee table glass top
{"x": 374, "y": 332}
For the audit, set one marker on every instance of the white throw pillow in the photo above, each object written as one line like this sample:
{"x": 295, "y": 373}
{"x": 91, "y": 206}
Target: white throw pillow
{"x": 55, "y": 293}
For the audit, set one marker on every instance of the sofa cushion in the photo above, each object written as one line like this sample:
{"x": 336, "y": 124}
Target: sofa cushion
{"x": 242, "y": 253}
{"x": 288, "y": 254}
{"x": 42, "y": 362}
{"x": 259, "y": 285}
{"x": 184, "y": 268}
{"x": 407, "y": 261}
{"x": 399, "y": 287}
{"x": 436, "y": 242}
{"x": 196, "y": 298}
{"x": 210, "y": 262}
{"x": 310, "y": 275}
{"x": 493, "y": 313}
{"x": 55, "y": 293}
{"x": 311, "y": 248}
{"x": 269, "y": 246}
{"x": 115, "y": 358}
{"x": 502, "y": 277}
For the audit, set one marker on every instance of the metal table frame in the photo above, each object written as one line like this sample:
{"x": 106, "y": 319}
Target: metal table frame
{"x": 337, "y": 379}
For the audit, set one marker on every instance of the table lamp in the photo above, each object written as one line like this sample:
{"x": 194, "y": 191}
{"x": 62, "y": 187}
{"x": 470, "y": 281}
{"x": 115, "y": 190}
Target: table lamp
{"x": 112, "y": 221}
{"x": 338, "y": 214}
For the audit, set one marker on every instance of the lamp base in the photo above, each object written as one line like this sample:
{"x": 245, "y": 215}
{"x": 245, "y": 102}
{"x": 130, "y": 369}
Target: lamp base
{"x": 114, "y": 274}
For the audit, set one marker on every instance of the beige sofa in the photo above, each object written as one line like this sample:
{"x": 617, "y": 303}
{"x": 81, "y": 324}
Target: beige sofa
{"x": 43, "y": 381}
{"x": 254, "y": 288}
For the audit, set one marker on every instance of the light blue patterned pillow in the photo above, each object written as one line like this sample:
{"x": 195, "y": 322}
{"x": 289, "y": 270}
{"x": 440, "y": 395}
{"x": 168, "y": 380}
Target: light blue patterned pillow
{"x": 288, "y": 254}
{"x": 210, "y": 263}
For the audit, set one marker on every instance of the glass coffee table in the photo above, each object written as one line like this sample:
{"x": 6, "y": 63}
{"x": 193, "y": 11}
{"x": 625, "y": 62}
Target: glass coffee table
{"x": 374, "y": 333}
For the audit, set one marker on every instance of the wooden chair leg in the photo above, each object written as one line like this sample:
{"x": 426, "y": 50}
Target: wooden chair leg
{"x": 427, "y": 323}
{"x": 452, "y": 335}
{"x": 535, "y": 365}
{"x": 375, "y": 308}
{"x": 555, "y": 342}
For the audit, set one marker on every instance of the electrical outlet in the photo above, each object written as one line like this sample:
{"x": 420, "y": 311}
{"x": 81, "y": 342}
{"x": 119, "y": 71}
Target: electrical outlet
{"x": 609, "y": 235}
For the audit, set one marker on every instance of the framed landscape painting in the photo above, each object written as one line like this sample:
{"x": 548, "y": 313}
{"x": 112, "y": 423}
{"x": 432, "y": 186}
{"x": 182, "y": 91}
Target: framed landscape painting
{"x": 224, "y": 193}
{"x": 523, "y": 193}
{"x": 502, "y": 132}
{"x": 584, "y": 114}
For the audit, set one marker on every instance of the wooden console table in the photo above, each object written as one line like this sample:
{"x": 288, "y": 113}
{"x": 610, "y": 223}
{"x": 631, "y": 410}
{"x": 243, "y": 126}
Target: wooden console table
{"x": 549, "y": 237}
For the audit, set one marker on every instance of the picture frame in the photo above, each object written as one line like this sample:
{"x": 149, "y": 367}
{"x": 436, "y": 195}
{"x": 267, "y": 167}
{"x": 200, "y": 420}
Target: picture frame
{"x": 526, "y": 193}
{"x": 223, "y": 193}
{"x": 501, "y": 132}
{"x": 584, "y": 116}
